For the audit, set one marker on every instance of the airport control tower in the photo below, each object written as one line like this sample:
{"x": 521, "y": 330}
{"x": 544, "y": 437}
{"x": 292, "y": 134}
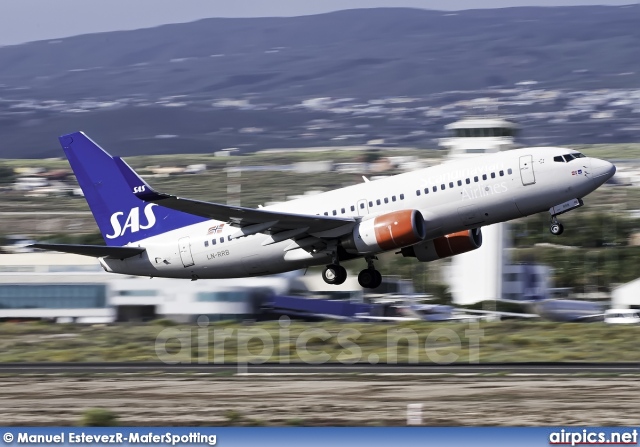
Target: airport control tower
{"x": 477, "y": 275}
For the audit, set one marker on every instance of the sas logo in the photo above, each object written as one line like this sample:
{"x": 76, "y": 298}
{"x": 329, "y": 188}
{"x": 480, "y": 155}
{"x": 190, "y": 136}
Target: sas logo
{"x": 138, "y": 189}
{"x": 216, "y": 229}
{"x": 132, "y": 222}
{"x": 578, "y": 172}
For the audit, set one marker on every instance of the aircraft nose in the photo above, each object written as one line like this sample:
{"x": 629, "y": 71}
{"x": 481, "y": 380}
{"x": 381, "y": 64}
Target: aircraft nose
{"x": 602, "y": 170}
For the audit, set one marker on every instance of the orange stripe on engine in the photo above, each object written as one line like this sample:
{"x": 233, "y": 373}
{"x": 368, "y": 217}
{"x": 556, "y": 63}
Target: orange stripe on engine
{"x": 395, "y": 230}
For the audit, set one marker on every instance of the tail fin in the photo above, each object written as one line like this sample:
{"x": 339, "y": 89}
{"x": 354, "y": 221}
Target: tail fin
{"x": 121, "y": 216}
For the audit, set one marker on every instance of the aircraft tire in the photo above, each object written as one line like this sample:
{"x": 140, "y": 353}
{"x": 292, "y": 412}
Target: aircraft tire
{"x": 334, "y": 274}
{"x": 369, "y": 278}
{"x": 378, "y": 279}
{"x": 556, "y": 228}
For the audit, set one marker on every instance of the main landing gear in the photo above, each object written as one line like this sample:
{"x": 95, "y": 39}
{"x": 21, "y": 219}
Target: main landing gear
{"x": 334, "y": 274}
{"x": 368, "y": 278}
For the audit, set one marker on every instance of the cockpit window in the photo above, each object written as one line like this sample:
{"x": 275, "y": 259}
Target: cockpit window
{"x": 568, "y": 157}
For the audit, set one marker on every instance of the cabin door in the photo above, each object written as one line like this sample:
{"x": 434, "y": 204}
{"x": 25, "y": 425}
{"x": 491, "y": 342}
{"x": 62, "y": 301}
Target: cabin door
{"x": 185, "y": 252}
{"x": 526, "y": 170}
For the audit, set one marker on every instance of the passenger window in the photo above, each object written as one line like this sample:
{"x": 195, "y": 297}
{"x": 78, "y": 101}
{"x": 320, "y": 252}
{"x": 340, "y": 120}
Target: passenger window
{"x": 442, "y": 187}
{"x": 393, "y": 198}
{"x": 334, "y": 212}
{"x": 213, "y": 242}
{"x": 326, "y": 213}
{"x": 493, "y": 175}
{"x": 509, "y": 171}
{"x": 417, "y": 192}
{"x": 229, "y": 238}
{"x": 459, "y": 182}
{"x": 206, "y": 243}
{"x": 377, "y": 201}
{"x": 450, "y": 184}
{"x": 221, "y": 240}
{"x": 484, "y": 176}
{"x": 475, "y": 179}
{"x": 353, "y": 208}
{"x": 386, "y": 200}
{"x": 426, "y": 190}
{"x": 362, "y": 206}
{"x": 342, "y": 210}
{"x": 468, "y": 181}
{"x": 401, "y": 196}
{"x": 501, "y": 173}
{"x": 370, "y": 204}
{"x": 435, "y": 189}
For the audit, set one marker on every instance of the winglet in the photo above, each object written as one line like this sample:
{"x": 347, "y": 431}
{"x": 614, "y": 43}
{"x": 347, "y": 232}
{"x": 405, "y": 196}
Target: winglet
{"x": 139, "y": 187}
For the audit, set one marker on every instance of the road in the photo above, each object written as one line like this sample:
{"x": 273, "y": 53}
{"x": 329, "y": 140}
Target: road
{"x": 329, "y": 368}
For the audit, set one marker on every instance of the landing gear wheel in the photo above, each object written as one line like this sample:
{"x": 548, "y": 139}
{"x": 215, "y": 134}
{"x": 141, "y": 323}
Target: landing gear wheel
{"x": 370, "y": 278}
{"x": 556, "y": 228}
{"x": 378, "y": 279}
{"x": 334, "y": 274}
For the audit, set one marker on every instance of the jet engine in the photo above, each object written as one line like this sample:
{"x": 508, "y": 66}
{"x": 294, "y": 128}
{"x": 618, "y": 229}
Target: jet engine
{"x": 445, "y": 246}
{"x": 386, "y": 232}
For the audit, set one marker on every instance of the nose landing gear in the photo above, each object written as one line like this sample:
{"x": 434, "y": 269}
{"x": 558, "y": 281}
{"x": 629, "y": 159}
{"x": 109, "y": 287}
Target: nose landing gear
{"x": 556, "y": 228}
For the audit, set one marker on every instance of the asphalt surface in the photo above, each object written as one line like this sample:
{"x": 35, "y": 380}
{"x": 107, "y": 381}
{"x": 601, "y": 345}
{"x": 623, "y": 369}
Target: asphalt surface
{"x": 327, "y": 368}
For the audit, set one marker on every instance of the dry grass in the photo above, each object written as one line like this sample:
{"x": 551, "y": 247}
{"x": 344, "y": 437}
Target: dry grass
{"x": 345, "y": 342}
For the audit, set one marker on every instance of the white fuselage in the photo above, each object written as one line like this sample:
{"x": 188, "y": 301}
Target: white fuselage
{"x": 461, "y": 194}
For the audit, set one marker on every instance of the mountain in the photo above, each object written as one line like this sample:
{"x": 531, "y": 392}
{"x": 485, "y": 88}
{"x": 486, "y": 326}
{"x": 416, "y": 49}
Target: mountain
{"x": 131, "y": 86}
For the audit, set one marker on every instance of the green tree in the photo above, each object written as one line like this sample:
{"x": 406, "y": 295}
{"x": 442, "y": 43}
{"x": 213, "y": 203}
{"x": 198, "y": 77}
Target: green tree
{"x": 99, "y": 417}
{"x": 7, "y": 175}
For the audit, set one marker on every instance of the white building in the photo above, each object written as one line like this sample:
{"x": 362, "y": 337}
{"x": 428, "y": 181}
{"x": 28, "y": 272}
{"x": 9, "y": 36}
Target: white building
{"x": 626, "y": 296}
{"x": 65, "y": 287}
{"x": 53, "y": 286}
{"x": 477, "y": 275}
{"x": 476, "y": 136}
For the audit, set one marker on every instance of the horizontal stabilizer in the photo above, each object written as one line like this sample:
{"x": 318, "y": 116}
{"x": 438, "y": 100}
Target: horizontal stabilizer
{"x": 96, "y": 251}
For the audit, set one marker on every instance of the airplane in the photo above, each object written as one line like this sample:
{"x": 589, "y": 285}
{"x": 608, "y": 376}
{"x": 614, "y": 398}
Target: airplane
{"x": 427, "y": 214}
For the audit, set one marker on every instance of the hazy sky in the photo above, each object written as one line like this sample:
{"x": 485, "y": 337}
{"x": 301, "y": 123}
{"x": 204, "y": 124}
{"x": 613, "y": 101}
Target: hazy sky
{"x": 26, "y": 20}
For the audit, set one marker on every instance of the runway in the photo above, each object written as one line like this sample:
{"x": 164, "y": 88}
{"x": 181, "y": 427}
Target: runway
{"x": 322, "y": 395}
{"x": 326, "y": 368}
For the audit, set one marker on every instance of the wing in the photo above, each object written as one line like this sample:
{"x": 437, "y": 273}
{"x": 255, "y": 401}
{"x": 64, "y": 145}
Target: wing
{"x": 258, "y": 219}
{"x": 97, "y": 251}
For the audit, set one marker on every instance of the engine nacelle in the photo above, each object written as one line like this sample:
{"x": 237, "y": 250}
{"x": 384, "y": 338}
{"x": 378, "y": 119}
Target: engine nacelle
{"x": 386, "y": 232}
{"x": 445, "y": 246}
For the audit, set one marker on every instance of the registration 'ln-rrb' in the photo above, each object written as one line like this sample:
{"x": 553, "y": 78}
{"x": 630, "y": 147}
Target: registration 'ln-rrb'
{"x": 428, "y": 214}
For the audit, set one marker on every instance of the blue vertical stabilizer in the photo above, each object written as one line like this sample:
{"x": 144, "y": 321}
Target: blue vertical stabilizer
{"x": 121, "y": 216}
